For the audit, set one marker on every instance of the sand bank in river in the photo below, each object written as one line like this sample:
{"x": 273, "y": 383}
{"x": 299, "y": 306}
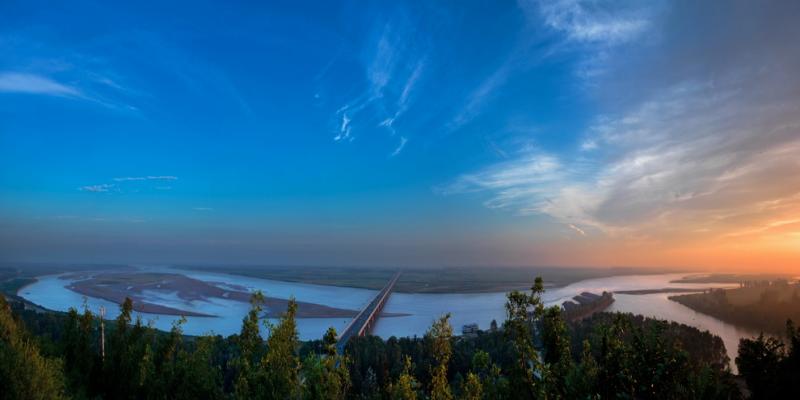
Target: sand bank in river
{"x": 141, "y": 286}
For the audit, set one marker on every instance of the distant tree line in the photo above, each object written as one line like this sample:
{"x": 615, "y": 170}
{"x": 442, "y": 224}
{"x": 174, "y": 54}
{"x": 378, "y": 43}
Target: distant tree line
{"x": 535, "y": 354}
{"x": 778, "y": 302}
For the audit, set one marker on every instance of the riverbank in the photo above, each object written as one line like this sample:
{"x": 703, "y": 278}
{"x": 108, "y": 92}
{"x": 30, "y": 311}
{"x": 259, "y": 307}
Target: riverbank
{"x": 765, "y": 306}
{"x": 433, "y": 280}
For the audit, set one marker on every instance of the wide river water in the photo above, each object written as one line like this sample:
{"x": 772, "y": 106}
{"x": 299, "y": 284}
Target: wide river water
{"x": 481, "y": 308}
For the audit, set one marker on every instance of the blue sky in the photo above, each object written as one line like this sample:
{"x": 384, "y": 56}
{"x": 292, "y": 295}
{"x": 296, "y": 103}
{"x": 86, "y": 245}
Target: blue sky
{"x": 405, "y": 133}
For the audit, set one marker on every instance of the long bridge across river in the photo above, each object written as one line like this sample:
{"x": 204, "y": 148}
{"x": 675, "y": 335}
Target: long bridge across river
{"x": 363, "y": 323}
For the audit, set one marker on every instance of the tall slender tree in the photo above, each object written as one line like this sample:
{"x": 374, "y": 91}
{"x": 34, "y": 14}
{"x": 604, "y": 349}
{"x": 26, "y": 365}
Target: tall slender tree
{"x": 280, "y": 365}
{"x": 522, "y": 309}
{"x": 250, "y": 343}
{"x": 557, "y": 355}
{"x": 439, "y": 336}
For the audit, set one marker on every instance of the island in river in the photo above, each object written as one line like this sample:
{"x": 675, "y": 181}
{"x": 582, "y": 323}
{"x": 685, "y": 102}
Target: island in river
{"x": 142, "y": 286}
{"x": 757, "y": 304}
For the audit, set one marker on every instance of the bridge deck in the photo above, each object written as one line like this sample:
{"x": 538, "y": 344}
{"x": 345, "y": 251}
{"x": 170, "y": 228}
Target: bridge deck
{"x": 366, "y": 318}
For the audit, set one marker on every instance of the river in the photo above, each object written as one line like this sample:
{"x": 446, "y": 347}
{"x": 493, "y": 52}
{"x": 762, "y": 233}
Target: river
{"x": 481, "y": 308}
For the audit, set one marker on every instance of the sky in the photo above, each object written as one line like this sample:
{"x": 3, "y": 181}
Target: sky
{"x": 407, "y": 133}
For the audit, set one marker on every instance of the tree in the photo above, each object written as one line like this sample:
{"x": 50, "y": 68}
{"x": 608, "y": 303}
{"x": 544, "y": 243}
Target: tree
{"x": 24, "y": 372}
{"x": 472, "y": 389}
{"x": 406, "y": 386}
{"x": 80, "y": 357}
{"x": 439, "y": 336}
{"x": 326, "y": 376}
{"x": 759, "y": 363}
{"x": 130, "y": 362}
{"x": 280, "y": 365}
{"x": 658, "y": 367}
{"x": 613, "y": 361}
{"x": 771, "y": 366}
{"x": 249, "y": 341}
{"x": 329, "y": 341}
{"x": 521, "y": 309}
{"x": 370, "y": 388}
{"x": 165, "y": 360}
{"x": 581, "y": 382}
{"x": 195, "y": 375}
{"x": 557, "y": 356}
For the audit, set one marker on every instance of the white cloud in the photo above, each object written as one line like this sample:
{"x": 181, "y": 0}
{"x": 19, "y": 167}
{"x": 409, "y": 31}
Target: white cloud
{"x": 97, "y": 188}
{"x": 344, "y": 129}
{"x": 392, "y": 70}
{"x": 588, "y": 21}
{"x": 480, "y": 96}
{"x": 579, "y": 21}
{"x": 400, "y": 146}
{"x": 402, "y": 101}
{"x": 147, "y": 178}
{"x": 106, "y": 187}
{"x": 18, "y": 82}
{"x": 697, "y": 157}
{"x": 576, "y": 229}
{"x": 588, "y": 145}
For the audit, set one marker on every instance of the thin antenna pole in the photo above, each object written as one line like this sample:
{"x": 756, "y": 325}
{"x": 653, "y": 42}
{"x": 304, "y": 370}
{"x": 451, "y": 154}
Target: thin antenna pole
{"x": 102, "y": 333}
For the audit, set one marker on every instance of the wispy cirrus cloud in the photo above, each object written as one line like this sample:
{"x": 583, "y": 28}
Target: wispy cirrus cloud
{"x": 83, "y": 87}
{"x": 400, "y": 146}
{"x": 22, "y": 82}
{"x": 698, "y": 158}
{"x": 392, "y": 70}
{"x": 402, "y": 100}
{"x": 593, "y": 21}
{"x": 586, "y": 22}
{"x": 344, "y": 129}
{"x": 147, "y": 178}
{"x": 694, "y": 154}
{"x": 97, "y": 188}
{"x": 122, "y": 181}
{"x": 577, "y": 229}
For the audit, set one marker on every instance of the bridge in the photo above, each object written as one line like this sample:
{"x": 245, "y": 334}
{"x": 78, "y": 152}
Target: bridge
{"x": 363, "y": 323}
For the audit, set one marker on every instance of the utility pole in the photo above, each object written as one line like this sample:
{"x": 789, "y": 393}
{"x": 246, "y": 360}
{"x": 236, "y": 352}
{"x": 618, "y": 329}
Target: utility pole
{"x": 102, "y": 333}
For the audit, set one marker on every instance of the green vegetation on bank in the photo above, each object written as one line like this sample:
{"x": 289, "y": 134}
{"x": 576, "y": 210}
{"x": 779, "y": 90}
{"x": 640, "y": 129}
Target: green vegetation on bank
{"x": 424, "y": 280}
{"x": 759, "y": 305}
{"x": 729, "y": 278}
{"x": 535, "y": 354}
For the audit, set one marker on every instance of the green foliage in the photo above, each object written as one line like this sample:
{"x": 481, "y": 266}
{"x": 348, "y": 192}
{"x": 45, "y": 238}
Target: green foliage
{"x": 81, "y": 357}
{"x": 536, "y": 354}
{"x": 439, "y": 336}
{"x": 280, "y": 366}
{"x": 326, "y": 376}
{"x": 24, "y": 372}
{"x": 406, "y": 386}
{"x": 768, "y": 312}
{"x": 329, "y": 342}
{"x": 249, "y": 341}
{"x": 557, "y": 355}
{"x": 581, "y": 381}
{"x": 521, "y": 310}
{"x": 493, "y": 384}
{"x": 472, "y": 389}
{"x": 769, "y": 366}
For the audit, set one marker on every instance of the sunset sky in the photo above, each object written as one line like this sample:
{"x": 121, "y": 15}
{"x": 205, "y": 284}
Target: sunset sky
{"x": 413, "y": 133}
